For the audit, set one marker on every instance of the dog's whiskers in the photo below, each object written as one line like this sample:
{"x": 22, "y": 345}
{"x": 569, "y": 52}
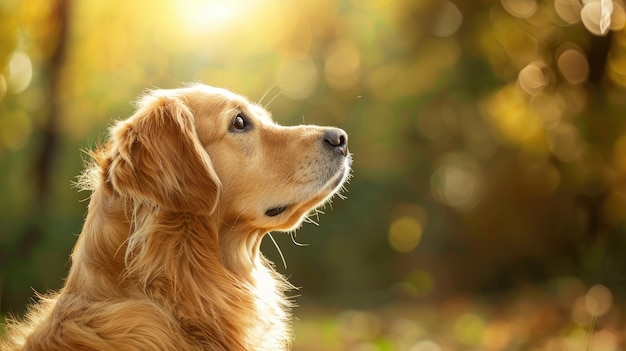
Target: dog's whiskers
{"x": 293, "y": 240}
{"x": 308, "y": 219}
{"x": 272, "y": 99}
{"x": 279, "y": 250}
{"x": 317, "y": 214}
{"x": 260, "y": 101}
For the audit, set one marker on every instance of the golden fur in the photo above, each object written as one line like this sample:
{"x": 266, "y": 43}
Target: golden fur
{"x": 182, "y": 194}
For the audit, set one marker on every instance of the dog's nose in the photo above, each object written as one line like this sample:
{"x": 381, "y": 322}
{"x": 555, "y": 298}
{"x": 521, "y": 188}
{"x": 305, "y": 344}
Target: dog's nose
{"x": 337, "y": 139}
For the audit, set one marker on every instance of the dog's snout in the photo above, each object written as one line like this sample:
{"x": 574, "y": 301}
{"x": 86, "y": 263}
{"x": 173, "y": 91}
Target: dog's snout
{"x": 337, "y": 139}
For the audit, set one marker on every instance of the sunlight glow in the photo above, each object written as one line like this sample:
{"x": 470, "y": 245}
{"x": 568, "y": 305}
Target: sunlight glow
{"x": 207, "y": 15}
{"x": 458, "y": 182}
{"x": 448, "y": 21}
{"x": 508, "y": 112}
{"x": 20, "y": 70}
{"x": 598, "y": 300}
{"x": 520, "y": 8}
{"x": 568, "y": 10}
{"x": 592, "y": 17}
{"x": 598, "y": 16}
{"x": 469, "y": 328}
{"x": 534, "y": 78}
{"x": 405, "y": 234}
{"x": 573, "y": 65}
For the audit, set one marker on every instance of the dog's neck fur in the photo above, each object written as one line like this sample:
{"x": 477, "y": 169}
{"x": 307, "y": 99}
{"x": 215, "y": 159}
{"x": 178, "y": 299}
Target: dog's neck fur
{"x": 178, "y": 261}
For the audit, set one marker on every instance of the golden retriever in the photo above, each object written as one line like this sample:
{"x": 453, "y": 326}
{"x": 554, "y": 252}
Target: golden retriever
{"x": 183, "y": 192}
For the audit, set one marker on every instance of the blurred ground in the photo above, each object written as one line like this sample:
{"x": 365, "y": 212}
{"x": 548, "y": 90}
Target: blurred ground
{"x": 562, "y": 315}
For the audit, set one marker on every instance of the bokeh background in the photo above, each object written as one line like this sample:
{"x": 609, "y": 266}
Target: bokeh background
{"x": 487, "y": 208}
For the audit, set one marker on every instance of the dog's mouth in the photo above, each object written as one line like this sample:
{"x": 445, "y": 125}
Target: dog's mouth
{"x": 330, "y": 188}
{"x": 275, "y": 211}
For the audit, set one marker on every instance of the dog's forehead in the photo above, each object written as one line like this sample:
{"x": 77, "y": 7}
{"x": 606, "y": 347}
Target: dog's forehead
{"x": 261, "y": 113}
{"x": 208, "y": 99}
{"x": 241, "y": 103}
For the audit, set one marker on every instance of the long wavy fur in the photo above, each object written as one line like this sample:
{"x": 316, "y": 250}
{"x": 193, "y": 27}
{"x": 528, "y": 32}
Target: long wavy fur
{"x": 150, "y": 270}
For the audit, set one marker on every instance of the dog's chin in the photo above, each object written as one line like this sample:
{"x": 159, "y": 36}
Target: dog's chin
{"x": 290, "y": 215}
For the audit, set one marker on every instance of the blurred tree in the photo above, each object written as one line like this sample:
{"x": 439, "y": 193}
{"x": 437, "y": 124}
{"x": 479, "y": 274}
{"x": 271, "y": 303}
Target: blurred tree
{"x": 53, "y": 42}
{"x": 47, "y": 25}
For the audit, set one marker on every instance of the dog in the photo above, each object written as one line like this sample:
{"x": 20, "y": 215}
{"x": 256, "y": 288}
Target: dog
{"x": 182, "y": 193}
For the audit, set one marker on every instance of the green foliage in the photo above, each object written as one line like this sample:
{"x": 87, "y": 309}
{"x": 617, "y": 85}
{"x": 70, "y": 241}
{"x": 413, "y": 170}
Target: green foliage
{"x": 488, "y": 137}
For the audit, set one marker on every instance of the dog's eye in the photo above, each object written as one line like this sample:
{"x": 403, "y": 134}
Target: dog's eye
{"x": 239, "y": 123}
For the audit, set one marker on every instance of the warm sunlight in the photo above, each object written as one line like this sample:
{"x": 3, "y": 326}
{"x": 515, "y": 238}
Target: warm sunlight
{"x": 487, "y": 207}
{"x": 198, "y": 16}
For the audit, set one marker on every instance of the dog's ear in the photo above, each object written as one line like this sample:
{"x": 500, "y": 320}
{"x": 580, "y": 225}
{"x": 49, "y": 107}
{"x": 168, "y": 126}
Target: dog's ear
{"x": 156, "y": 157}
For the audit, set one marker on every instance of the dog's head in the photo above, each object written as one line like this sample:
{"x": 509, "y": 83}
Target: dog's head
{"x": 205, "y": 149}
